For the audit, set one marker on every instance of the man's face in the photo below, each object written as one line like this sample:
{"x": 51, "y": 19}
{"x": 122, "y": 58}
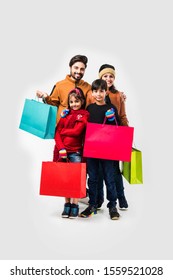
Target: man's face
{"x": 77, "y": 71}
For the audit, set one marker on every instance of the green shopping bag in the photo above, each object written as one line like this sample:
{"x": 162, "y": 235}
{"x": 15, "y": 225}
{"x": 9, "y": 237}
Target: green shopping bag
{"x": 132, "y": 171}
{"x": 39, "y": 119}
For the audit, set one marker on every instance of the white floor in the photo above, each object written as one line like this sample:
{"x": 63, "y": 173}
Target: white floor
{"x": 32, "y": 227}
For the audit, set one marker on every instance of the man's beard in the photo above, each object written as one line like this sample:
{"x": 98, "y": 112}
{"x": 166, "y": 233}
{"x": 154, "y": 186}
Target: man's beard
{"x": 76, "y": 78}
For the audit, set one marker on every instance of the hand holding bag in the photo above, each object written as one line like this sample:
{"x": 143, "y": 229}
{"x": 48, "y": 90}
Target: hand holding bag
{"x": 65, "y": 179}
{"x": 39, "y": 119}
{"x": 132, "y": 171}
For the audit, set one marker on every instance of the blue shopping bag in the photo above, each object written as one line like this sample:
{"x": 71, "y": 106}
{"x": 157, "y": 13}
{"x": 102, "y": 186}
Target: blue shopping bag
{"x": 39, "y": 119}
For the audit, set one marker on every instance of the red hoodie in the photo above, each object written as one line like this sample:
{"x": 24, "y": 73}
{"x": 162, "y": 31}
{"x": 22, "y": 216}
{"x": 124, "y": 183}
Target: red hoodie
{"x": 70, "y": 132}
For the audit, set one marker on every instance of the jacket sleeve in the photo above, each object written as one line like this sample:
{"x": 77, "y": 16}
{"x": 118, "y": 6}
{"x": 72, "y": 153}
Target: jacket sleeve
{"x": 53, "y": 98}
{"x": 58, "y": 140}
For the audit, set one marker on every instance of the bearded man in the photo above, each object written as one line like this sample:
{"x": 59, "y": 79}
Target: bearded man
{"x": 60, "y": 91}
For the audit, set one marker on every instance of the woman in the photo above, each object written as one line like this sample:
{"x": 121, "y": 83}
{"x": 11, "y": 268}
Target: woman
{"x": 117, "y": 98}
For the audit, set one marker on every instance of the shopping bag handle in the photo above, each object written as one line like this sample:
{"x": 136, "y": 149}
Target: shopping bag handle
{"x": 37, "y": 98}
{"x": 60, "y": 159}
{"x": 106, "y": 119}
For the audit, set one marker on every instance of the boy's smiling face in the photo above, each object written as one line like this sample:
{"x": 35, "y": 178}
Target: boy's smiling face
{"x": 99, "y": 96}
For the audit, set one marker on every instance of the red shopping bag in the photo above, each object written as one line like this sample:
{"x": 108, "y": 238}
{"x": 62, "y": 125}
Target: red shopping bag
{"x": 63, "y": 179}
{"x": 108, "y": 142}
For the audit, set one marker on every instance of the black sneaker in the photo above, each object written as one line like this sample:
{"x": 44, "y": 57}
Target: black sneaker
{"x": 88, "y": 212}
{"x": 66, "y": 212}
{"x": 74, "y": 211}
{"x": 123, "y": 205}
{"x": 114, "y": 215}
{"x": 99, "y": 205}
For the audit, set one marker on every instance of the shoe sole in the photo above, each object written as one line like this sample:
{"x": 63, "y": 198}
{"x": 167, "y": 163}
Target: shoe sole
{"x": 65, "y": 216}
{"x": 115, "y": 218}
{"x": 123, "y": 209}
{"x": 83, "y": 216}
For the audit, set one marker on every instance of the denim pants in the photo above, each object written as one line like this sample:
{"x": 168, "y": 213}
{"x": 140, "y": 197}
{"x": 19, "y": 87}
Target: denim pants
{"x": 108, "y": 176}
{"x": 118, "y": 183}
{"x": 74, "y": 157}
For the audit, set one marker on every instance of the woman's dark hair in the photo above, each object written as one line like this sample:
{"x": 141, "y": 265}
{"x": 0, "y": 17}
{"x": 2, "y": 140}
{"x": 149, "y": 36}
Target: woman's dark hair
{"x": 78, "y": 94}
{"x": 113, "y": 89}
{"x": 99, "y": 83}
{"x": 106, "y": 66}
{"x": 79, "y": 58}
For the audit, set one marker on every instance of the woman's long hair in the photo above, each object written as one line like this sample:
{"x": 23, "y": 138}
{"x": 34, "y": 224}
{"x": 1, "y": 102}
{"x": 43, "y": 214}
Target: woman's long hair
{"x": 113, "y": 89}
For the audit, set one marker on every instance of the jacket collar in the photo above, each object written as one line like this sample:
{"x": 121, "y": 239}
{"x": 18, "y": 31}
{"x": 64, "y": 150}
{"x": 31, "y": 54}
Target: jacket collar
{"x": 68, "y": 77}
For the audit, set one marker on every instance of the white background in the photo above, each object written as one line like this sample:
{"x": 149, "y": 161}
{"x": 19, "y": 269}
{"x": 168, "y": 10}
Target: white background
{"x": 38, "y": 38}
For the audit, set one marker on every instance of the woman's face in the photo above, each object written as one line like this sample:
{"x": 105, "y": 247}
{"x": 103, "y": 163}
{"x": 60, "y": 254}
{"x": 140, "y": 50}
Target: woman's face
{"x": 109, "y": 78}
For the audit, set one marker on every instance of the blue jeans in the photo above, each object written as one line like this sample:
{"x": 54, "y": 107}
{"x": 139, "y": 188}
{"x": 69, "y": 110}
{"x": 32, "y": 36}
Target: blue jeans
{"x": 118, "y": 180}
{"x": 109, "y": 177}
{"x": 118, "y": 183}
{"x": 74, "y": 157}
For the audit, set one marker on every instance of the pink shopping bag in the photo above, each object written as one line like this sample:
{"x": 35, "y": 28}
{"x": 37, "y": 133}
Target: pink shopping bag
{"x": 108, "y": 142}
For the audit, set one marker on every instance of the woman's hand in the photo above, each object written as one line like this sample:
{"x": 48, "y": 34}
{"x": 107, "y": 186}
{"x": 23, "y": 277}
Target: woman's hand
{"x": 124, "y": 96}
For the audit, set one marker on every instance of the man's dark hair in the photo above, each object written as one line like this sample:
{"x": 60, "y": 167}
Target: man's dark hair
{"x": 79, "y": 58}
{"x": 99, "y": 83}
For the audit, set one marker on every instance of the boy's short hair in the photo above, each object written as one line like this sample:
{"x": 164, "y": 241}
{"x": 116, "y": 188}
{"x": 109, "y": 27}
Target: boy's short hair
{"x": 78, "y": 58}
{"x": 99, "y": 84}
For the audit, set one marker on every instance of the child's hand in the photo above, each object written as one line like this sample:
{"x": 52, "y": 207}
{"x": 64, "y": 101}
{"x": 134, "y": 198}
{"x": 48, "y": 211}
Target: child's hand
{"x": 63, "y": 153}
{"x": 110, "y": 115}
{"x": 64, "y": 113}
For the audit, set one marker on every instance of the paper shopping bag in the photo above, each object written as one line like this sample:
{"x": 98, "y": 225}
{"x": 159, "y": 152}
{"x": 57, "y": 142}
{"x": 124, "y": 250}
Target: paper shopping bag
{"x": 39, "y": 119}
{"x": 65, "y": 179}
{"x": 132, "y": 171}
{"x": 108, "y": 141}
